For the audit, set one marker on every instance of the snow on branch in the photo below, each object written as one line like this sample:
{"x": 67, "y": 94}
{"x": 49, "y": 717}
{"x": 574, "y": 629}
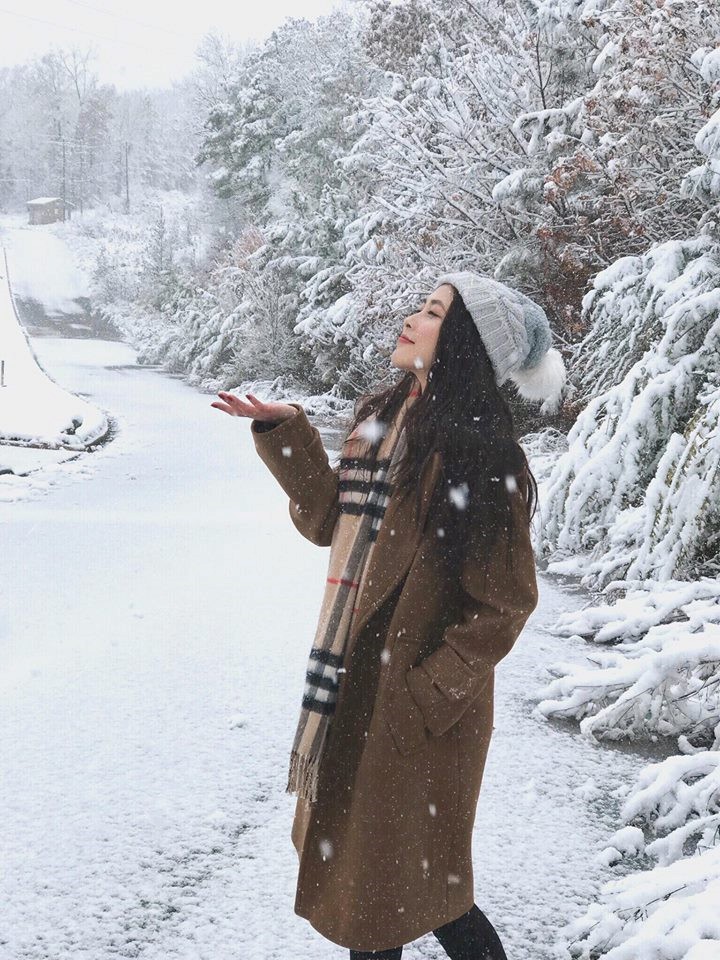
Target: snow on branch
{"x": 668, "y": 912}
{"x": 661, "y": 679}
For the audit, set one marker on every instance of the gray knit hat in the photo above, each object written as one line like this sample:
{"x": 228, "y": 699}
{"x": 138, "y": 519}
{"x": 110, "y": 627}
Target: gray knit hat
{"x": 516, "y": 334}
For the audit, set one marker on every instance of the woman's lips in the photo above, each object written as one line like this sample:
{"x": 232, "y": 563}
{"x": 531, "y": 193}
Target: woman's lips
{"x": 404, "y": 339}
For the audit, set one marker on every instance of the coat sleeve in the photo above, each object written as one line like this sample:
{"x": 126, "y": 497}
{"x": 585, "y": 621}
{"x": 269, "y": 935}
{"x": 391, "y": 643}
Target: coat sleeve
{"x": 294, "y": 453}
{"x": 496, "y": 606}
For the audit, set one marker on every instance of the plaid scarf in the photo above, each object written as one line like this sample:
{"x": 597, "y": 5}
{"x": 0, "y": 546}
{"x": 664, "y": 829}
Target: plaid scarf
{"x": 354, "y": 538}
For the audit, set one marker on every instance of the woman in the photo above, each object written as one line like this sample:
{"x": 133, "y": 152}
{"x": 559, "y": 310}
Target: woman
{"x": 431, "y": 577}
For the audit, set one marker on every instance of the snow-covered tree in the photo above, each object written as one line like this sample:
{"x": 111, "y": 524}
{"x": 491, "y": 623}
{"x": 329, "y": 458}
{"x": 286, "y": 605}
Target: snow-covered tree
{"x": 703, "y": 181}
{"x": 273, "y": 145}
{"x": 637, "y": 492}
{"x": 430, "y": 146}
{"x": 615, "y": 135}
{"x": 632, "y": 503}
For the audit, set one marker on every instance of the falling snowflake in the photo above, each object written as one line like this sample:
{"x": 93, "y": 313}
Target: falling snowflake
{"x": 326, "y": 849}
{"x": 287, "y": 451}
{"x": 453, "y": 878}
{"x": 384, "y": 655}
{"x": 418, "y": 363}
{"x": 372, "y": 430}
{"x": 459, "y": 495}
{"x": 510, "y": 483}
{"x": 432, "y": 808}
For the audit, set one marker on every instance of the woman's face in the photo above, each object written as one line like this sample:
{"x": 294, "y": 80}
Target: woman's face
{"x": 416, "y": 344}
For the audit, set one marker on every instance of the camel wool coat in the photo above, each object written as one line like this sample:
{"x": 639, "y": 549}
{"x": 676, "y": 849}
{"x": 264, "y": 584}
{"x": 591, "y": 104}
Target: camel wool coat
{"x": 385, "y": 852}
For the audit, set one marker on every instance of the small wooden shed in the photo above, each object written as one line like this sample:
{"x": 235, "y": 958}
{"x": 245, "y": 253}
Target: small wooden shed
{"x": 48, "y": 209}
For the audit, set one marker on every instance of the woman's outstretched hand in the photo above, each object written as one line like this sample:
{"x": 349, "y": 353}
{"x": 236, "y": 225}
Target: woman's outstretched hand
{"x": 253, "y": 408}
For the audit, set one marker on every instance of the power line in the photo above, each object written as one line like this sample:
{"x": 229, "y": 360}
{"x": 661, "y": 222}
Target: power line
{"x": 88, "y": 33}
{"x": 84, "y": 144}
{"x": 74, "y": 141}
{"x": 70, "y": 141}
{"x": 140, "y": 23}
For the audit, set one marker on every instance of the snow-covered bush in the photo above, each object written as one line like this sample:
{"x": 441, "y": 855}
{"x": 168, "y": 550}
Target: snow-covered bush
{"x": 669, "y": 911}
{"x": 656, "y": 671}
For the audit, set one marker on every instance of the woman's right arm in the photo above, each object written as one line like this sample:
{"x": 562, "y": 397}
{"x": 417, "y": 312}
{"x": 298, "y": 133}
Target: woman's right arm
{"x": 293, "y": 451}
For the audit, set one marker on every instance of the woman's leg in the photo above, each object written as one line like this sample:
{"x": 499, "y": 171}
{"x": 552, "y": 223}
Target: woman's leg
{"x": 394, "y": 953}
{"x": 471, "y": 937}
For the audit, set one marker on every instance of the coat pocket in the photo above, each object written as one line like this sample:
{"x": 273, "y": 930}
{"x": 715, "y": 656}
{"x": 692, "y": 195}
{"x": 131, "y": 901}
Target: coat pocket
{"x": 405, "y": 721}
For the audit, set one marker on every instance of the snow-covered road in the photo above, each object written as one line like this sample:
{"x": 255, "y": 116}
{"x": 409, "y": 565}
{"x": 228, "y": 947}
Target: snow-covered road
{"x": 156, "y": 616}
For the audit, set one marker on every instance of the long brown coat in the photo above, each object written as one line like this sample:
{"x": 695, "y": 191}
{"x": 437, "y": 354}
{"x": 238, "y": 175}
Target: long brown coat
{"x": 385, "y": 852}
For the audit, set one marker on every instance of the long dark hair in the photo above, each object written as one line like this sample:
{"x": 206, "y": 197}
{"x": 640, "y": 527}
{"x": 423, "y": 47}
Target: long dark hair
{"x": 461, "y": 413}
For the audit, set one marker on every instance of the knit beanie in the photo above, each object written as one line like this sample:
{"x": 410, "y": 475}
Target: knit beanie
{"x": 516, "y": 335}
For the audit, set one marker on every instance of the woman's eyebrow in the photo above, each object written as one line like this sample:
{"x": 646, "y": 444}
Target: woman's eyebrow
{"x": 439, "y": 302}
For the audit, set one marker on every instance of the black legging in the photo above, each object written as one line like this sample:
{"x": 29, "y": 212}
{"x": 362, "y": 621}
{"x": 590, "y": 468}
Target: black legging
{"x": 469, "y": 937}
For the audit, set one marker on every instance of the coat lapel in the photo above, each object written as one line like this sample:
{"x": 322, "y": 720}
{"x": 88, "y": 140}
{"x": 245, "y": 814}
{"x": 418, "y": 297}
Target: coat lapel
{"x": 398, "y": 539}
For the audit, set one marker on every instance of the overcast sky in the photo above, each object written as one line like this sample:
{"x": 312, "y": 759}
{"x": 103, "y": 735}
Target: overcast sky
{"x": 139, "y": 42}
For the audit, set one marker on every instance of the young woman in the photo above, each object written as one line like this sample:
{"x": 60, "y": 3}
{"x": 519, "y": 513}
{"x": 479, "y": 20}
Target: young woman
{"x": 431, "y": 578}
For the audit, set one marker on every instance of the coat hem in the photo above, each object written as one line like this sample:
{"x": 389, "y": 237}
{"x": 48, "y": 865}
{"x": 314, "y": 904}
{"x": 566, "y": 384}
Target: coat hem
{"x": 402, "y": 938}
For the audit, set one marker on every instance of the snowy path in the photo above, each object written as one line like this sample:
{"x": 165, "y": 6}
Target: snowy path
{"x": 153, "y": 674}
{"x": 43, "y": 268}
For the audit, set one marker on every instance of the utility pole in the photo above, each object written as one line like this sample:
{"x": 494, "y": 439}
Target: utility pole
{"x": 82, "y": 174}
{"x": 127, "y": 179}
{"x": 63, "y": 177}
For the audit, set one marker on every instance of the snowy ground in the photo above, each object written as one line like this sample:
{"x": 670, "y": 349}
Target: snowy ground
{"x": 153, "y": 676}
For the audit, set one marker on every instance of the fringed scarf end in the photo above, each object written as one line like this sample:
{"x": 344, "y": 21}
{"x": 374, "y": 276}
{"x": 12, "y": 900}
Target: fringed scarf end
{"x": 302, "y": 776}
